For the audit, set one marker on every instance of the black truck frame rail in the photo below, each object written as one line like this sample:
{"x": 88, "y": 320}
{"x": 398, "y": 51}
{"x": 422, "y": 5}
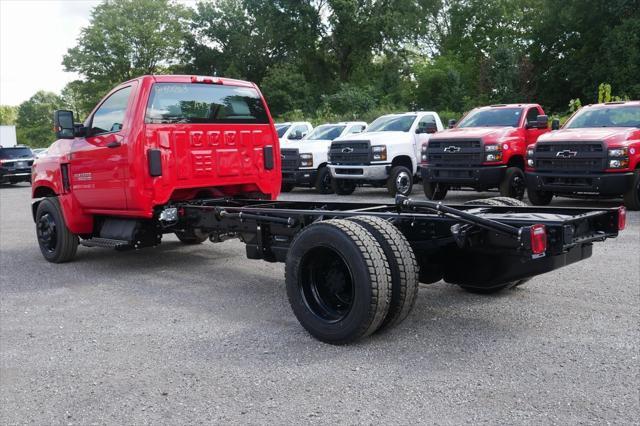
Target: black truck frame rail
{"x": 474, "y": 246}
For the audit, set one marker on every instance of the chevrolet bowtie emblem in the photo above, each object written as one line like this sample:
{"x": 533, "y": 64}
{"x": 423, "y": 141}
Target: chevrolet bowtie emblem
{"x": 566, "y": 154}
{"x": 452, "y": 149}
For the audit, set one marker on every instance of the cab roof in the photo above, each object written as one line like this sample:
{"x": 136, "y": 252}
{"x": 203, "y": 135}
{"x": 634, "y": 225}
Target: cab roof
{"x": 614, "y": 104}
{"x": 507, "y": 106}
{"x": 183, "y": 78}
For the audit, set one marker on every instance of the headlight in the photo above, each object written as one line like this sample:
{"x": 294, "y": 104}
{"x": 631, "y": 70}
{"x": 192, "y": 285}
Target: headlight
{"x": 618, "y": 164}
{"x": 379, "y": 152}
{"x": 492, "y": 148}
{"x": 306, "y": 160}
{"x": 618, "y": 152}
{"x": 530, "y": 162}
{"x": 529, "y": 152}
{"x": 494, "y": 157}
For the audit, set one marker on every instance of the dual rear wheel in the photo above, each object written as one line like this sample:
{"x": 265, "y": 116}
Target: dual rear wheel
{"x": 347, "y": 279}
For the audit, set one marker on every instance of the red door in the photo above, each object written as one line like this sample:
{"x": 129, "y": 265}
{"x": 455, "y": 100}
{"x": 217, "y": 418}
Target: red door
{"x": 99, "y": 161}
{"x": 532, "y": 133}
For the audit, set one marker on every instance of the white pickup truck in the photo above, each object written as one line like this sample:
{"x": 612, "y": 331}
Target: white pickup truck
{"x": 386, "y": 154}
{"x": 304, "y": 162}
{"x": 293, "y": 131}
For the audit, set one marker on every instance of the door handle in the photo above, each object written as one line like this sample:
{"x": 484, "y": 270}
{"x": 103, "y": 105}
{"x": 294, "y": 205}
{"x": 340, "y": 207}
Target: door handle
{"x": 114, "y": 144}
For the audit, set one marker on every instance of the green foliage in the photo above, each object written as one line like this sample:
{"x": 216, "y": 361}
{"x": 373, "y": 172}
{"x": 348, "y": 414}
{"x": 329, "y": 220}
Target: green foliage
{"x": 329, "y": 60}
{"x": 125, "y": 39}
{"x": 34, "y": 121}
{"x": 8, "y": 115}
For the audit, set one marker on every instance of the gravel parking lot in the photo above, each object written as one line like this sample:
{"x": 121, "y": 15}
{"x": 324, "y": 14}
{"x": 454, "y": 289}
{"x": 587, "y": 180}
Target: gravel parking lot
{"x": 180, "y": 334}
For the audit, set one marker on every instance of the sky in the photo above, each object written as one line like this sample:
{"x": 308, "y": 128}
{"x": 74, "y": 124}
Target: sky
{"x": 34, "y": 35}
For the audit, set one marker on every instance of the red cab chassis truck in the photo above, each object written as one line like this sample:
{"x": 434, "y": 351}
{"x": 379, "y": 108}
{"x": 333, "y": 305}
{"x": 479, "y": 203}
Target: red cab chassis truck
{"x": 199, "y": 157}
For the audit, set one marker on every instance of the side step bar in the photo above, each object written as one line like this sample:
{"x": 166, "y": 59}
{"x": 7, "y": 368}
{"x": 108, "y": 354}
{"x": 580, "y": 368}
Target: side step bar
{"x": 105, "y": 243}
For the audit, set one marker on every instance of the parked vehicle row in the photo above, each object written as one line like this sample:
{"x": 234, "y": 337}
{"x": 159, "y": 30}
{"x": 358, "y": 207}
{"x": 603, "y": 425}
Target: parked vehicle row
{"x": 15, "y": 164}
{"x": 506, "y": 147}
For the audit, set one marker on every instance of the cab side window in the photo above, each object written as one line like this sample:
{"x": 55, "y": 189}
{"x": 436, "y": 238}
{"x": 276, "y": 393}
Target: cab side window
{"x": 532, "y": 115}
{"x": 298, "y": 132}
{"x": 358, "y": 128}
{"x": 110, "y": 115}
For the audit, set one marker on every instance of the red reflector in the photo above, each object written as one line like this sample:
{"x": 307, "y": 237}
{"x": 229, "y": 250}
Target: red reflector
{"x": 622, "y": 218}
{"x": 538, "y": 239}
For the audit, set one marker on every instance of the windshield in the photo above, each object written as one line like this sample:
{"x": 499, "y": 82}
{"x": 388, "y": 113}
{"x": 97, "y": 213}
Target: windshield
{"x": 614, "y": 116}
{"x": 494, "y": 117}
{"x": 204, "y": 103}
{"x": 282, "y": 129}
{"x": 392, "y": 123}
{"x": 13, "y": 153}
{"x": 326, "y": 132}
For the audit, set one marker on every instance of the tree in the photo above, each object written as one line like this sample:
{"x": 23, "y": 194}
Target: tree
{"x": 34, "y": 122}
{"x": 8, "y": 115}
{"x": 126, "y": 39}
{"x": 285, "y": 89}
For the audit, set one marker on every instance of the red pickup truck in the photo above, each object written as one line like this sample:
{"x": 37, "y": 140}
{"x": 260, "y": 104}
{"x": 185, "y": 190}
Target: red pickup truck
{"x": 596, "y": 153}
{"x": 198, "y": 157}
{"x": 485, "y": 150}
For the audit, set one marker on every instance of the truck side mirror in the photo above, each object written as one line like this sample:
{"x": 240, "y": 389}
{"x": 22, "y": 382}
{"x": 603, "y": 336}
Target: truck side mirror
{"x": 452, "y": 123}
{"x": 542, "y": 121}
{"x": 63, "y": 124}
{"x": 555, "y": 124}
{"x": 431, "y": 127}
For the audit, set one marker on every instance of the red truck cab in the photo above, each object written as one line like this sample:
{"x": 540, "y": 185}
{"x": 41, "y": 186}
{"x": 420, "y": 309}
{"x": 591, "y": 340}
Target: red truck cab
{"x": 156, "y": 139}
{"x": 596, "y": 153}
{"x": 486, "y": 149}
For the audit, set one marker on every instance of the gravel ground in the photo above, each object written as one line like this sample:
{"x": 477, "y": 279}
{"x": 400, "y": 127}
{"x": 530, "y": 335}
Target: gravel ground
{"x": 178, "y": 335}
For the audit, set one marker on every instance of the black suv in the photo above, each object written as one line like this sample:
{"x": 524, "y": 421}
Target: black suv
{"x": 15, "y": 164}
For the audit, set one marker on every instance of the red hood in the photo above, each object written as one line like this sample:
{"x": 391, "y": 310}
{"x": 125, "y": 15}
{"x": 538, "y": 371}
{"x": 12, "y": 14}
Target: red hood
{"x": 475, "y": 132}
{"x": 607, "y": 134}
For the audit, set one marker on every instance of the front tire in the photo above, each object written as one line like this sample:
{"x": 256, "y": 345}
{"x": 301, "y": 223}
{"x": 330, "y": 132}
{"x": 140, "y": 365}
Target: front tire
{"x": 513, "y": 184}
{"x": 434, "y": 190}
{"x": 343, "y": 186}
{"x": 56, "y": 242}
{"x": 323, "y": 181}
{"x": 400, "y": 181}
{"x": 540, "y": 198}
{"x": 338, "y": 281}
{"x": 632, "y": 196}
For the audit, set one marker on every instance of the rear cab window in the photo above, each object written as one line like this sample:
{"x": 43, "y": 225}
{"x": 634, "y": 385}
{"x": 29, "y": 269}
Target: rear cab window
{"x": 204, "y": 104}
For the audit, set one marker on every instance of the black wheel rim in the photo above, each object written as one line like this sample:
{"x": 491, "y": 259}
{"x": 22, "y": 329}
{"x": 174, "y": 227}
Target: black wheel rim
{"x": 517, "y": 187}
{"x": 47, "y": 233}
{"x": 326, "y": 284}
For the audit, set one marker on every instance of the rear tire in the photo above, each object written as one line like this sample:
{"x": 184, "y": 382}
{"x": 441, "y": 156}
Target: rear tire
{"x": 434, "y": 190}
{"x": 343, "y": 186}
{"x": 56, "y": 242}
{"x": 540, "y": 198}
{"x": 338, "y": 281}
{"x": 400, "y": 181}
{"x": 323, "y": 181}
{"x": 403, "y": 264}
{"x": 497, "y": 201}
{"x": 192, "y": 236}
{"x": 513, "y": 184}
{"x": 632, "y": 196}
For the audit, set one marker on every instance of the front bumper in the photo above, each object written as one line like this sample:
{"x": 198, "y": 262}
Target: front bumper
{"x": 364, "y": 172}
{"x": 602, "y": 183}
{"x": 301, "y": 177}
{"x": 20, "y": 175}
{"x": 486, "y": 176}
